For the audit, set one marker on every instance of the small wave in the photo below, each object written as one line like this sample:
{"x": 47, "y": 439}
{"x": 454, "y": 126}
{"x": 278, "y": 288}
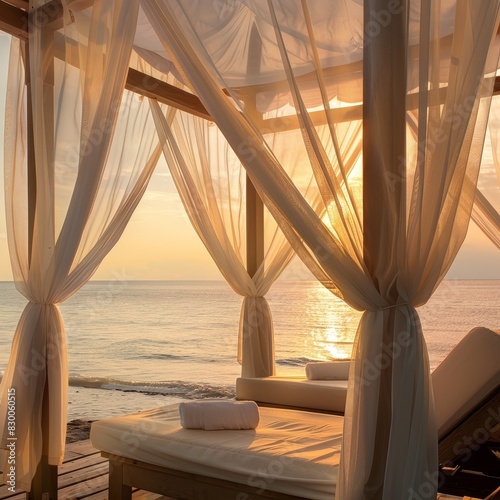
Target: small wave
{"x": 178, "y": 388}
{"x": 160, "y": 356}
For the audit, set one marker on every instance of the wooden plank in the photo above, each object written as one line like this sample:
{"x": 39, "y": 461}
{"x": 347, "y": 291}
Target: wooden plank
{"x": 11, "y": 496}
{"x": 80, "y": 463}
{"x": 80, "y": 448}
{"x": 147, "y": 495}
{"x": 85, "y": 488}
{"x": 5, "y": 493}
{"x": 69, "y": 455}
{"x": 82, "y": 475}
{"x": 136, "y": 495}
{"x": 102, "y": 495}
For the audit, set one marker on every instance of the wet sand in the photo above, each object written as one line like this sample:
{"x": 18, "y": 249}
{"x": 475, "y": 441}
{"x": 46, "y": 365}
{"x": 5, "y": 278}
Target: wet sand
{"x": 78, "y": 430}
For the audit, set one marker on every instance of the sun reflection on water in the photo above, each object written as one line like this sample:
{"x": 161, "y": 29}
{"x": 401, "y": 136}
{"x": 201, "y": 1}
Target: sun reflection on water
{"x": 327, "y": 344}
{"x": 336, "y": 325}
{"x": 326, "y": 324}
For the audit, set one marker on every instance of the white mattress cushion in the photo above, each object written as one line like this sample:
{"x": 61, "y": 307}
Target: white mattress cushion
{"x": 292, "y": 452}
{"x": 299, "y": 392}
{"x": 469, "y": 373}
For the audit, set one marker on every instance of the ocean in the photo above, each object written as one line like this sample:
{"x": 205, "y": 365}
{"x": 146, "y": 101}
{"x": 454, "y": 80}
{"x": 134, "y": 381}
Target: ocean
{"x": 134, "y": 345}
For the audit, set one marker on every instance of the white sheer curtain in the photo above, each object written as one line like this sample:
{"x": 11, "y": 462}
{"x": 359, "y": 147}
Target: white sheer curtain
{"x": 420, "y": 202}
{"x": 486, "y": 218}
{"x": 95, "y": 148}
{"x": 484, "y": 214}
{"x": 211, "y": 184}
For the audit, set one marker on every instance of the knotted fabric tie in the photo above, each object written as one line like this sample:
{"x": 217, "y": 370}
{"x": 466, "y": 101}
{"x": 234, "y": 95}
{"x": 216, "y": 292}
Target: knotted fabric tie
{"x": 394, "y": 305}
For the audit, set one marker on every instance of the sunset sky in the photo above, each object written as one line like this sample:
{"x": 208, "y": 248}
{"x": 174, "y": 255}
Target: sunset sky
{"x": 175, "y": 252}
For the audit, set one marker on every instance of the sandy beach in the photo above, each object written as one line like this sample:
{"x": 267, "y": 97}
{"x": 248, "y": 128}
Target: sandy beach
{"x": 78, "y": 430}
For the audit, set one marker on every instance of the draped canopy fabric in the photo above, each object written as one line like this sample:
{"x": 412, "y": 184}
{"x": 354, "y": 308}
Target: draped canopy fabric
{"x": 388, "y": 252}
{"x": 95, "y": 148}
{"x": 303, "y": 83}
{"x": 211, "y": 184}
{"x": 484, "y": 214}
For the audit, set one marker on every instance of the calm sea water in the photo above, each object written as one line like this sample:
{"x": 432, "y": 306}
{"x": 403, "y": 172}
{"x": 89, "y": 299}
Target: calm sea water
{"x": 135, "y": 345}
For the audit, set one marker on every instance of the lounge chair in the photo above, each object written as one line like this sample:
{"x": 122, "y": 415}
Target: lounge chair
{"x": 467, "y": 393}
{"x": 294, "y": 454}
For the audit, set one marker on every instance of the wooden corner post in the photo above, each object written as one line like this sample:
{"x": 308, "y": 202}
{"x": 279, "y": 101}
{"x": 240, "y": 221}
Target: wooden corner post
{"x": 44, "y": 484}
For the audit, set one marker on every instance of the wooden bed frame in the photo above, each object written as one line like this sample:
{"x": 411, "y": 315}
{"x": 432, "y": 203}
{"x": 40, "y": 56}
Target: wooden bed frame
{"x": 459, "y": 473}
{"x": 125, "y": 474}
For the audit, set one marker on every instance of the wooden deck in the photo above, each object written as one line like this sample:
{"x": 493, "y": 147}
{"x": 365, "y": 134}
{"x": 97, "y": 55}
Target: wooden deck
{"x": 84, "y": 474}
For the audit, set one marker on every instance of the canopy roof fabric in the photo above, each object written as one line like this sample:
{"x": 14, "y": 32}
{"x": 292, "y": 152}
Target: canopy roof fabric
{"x": 360, "y": 127}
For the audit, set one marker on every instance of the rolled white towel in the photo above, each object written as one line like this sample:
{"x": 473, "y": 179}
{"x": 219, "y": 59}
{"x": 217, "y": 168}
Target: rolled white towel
{"x": 328, "y": 370}
{"x": 219, "y": 415}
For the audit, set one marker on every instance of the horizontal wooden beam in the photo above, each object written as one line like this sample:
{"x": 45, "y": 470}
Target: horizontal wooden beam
{"x": 291, "y": 122}
{"x": 14, "y": 20}
{"x": 149, "y": 86}
{"x": 22, "y": 4}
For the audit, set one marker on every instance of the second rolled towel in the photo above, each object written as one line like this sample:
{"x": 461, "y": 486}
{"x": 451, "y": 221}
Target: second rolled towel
{"x": 219, "y": 415}
{"x": 328, "y": 370}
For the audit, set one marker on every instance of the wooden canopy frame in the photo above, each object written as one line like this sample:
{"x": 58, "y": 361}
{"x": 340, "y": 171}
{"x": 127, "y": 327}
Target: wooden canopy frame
{"x": 14, "y": 20}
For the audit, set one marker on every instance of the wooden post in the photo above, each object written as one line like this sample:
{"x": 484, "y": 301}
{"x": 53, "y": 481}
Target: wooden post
{"x": 31, "y": 169}
{"x": 255, "y": 229}
{"x": 258, "y": 345}
{"x": 254, "y": 205}
{"x": 384, "y": 128}
{"x": 118, "y": 490}
{"x": 44, "y": 483}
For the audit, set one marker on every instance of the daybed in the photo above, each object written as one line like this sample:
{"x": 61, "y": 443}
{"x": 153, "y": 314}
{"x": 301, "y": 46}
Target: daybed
{"x": 294, "y": 454}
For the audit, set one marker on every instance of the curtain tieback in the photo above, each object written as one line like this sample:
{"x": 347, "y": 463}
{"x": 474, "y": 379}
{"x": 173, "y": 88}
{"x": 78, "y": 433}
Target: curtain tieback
{"x": 394, "y": 305}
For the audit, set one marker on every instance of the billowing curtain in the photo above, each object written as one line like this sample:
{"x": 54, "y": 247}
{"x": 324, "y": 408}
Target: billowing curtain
{"x": 211, "y": 184}
{"x": 387, "y": 251}
{"x": 486, "y": 218}
{"x": 484, "y": 214}
{"x": 95, "y": 148}
{"x": 494, "y": 129}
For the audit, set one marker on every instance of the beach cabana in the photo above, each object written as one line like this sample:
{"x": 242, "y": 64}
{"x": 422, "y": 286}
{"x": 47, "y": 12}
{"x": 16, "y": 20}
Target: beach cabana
{"x": 360, "y": 127}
